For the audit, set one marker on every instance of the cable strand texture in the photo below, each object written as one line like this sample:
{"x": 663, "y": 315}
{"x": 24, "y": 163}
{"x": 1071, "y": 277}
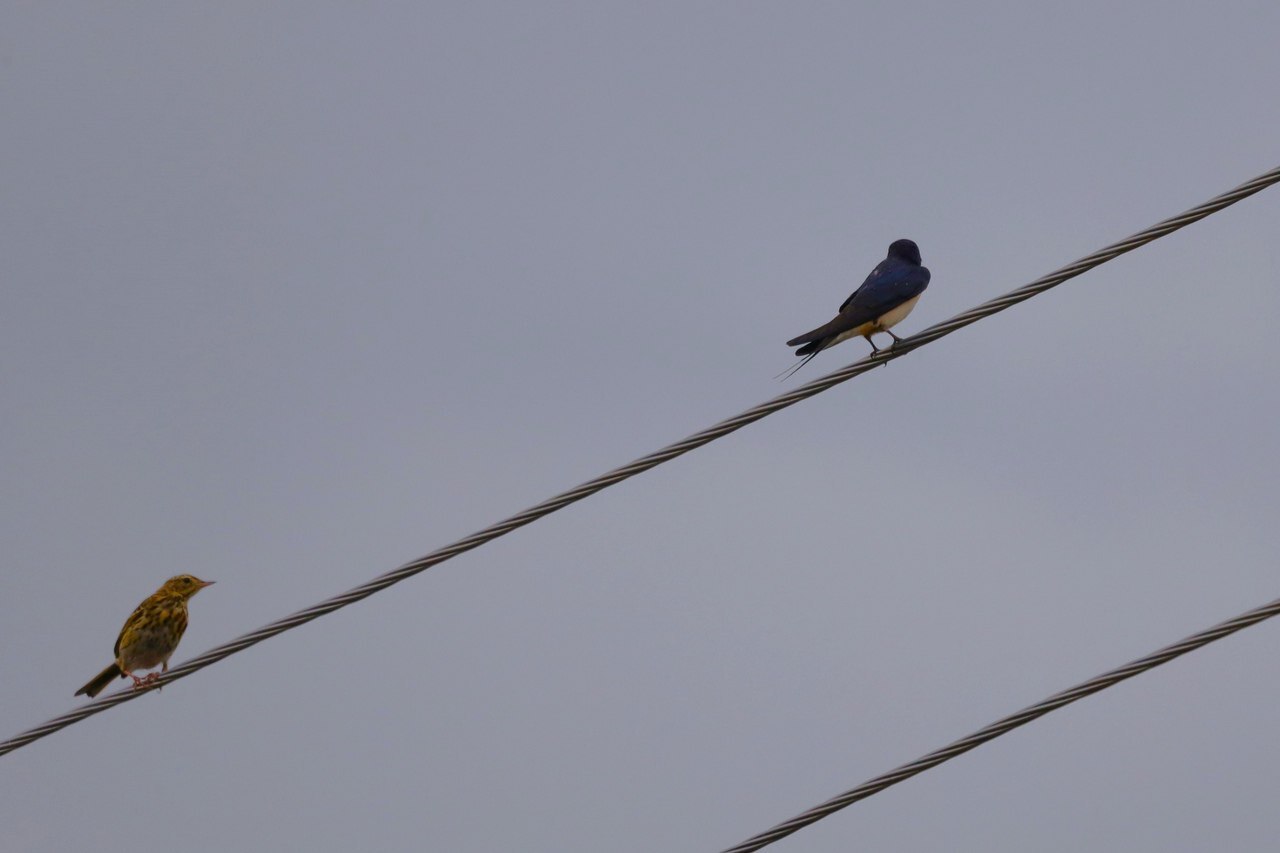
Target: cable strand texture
{"x": 656, "y": 458}
{"x": 1005, "y": 725}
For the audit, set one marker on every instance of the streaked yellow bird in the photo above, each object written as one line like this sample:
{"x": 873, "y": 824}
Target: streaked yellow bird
{"x": 150, "y": 635}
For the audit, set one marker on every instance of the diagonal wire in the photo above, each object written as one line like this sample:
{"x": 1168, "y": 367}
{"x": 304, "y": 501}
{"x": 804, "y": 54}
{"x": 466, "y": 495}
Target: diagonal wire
{"x": 656, "y": 458}
{"x": 1008, "y": 724}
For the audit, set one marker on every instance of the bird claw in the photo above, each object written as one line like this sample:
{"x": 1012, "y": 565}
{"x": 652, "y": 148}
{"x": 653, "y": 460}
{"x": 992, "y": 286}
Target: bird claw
{"x": 139, "y": 683}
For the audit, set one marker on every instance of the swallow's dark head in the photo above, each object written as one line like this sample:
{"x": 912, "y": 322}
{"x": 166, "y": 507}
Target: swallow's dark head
{"x": 907, "y": 250}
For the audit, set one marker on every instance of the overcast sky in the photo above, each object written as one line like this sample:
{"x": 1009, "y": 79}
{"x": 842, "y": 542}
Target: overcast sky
{"x": 294, "y": 295}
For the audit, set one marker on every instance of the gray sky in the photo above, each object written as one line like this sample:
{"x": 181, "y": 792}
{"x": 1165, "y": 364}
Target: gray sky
{"x": 294, "y": 296}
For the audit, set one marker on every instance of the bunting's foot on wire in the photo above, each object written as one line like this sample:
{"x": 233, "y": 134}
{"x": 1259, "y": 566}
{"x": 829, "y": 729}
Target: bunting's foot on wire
{"x": 139, "y": 683}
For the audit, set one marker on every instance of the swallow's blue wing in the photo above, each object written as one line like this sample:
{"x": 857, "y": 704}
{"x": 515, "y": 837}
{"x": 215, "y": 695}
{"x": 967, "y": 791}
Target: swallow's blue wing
{"x": 883, "y": 291}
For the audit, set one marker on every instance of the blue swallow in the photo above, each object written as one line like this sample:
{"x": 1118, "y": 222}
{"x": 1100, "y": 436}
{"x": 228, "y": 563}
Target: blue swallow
{"x": 881, "y": 302}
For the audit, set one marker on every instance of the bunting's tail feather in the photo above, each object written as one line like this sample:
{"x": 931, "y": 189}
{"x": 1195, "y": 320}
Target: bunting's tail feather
{"x": 100, "y": 681}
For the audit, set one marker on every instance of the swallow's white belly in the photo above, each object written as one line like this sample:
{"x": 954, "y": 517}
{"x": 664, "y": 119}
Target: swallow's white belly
{"x": 896, "y": 315}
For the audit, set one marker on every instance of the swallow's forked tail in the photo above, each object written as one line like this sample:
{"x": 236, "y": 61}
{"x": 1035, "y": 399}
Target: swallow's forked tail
{"x": 791, "y": 371}
{"x": 812, "y": 340}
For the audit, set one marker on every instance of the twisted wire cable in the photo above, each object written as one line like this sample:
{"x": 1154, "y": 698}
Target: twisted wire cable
{"x": 656, "y": 458}
{"x": 1007, "y": 724}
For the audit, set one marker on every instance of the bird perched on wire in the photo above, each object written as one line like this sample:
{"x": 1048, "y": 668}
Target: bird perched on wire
{"x": 881, "y": 302}
{"x": 150, "y": 634}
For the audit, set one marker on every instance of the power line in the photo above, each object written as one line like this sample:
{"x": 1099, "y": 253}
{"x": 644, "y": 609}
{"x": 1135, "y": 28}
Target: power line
{"x": 656, "y": 458}
{"x": 1007, "y": 724}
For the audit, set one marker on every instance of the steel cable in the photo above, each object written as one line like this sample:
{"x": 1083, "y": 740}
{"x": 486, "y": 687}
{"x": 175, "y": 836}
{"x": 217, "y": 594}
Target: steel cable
{"x": 1007, "y": 724}
{"x": 656, "y": 458}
